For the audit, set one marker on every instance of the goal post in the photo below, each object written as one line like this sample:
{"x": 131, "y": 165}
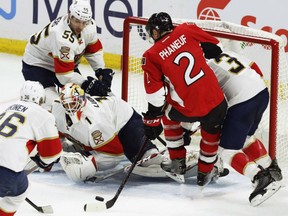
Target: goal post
{"x": 265, "y": 48}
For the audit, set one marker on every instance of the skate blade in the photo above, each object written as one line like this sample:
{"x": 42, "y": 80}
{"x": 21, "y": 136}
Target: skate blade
{"x": 271, "y": 190}
{"x": 176, "y": 177}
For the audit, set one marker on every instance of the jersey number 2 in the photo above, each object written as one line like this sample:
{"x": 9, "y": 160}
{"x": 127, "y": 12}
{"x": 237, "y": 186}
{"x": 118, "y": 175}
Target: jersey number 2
{"x": 191, "y": 61}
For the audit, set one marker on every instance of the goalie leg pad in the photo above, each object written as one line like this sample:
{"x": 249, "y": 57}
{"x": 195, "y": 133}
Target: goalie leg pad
{"x": 154, "y": 170}
{"x": 78, "y": 167}
{"x": 150, "y": 167}
{"x": 156, "y": 160}
{"x": 150, "y": 171}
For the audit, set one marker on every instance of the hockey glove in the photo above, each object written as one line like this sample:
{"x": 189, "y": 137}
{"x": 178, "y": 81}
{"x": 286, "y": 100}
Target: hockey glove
{"x": 152, "y": 125}
{"x": 105, "y": 75}
{"x": 40, "y": 163}
{"x": 95, "y": 87}
{"x": 211, "y": 50}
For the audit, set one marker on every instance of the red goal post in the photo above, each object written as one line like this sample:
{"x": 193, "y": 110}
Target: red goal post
{"x": 266, "y": 49}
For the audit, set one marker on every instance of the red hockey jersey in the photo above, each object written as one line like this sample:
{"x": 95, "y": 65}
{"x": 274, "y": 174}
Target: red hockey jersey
{"x": 177, "y": 62}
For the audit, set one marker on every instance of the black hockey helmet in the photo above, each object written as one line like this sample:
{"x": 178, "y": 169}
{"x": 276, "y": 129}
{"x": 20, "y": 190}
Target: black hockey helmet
{"x": 159, "y": 21}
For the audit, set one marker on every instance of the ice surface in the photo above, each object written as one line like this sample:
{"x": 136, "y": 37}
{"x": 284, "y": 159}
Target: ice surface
{"x": 140, "y": 196}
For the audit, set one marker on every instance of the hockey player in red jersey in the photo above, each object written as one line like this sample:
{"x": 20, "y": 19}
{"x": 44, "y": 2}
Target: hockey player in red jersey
{"x": 25, "y": 127}
{"x": 181, "y": 87}
{"x": 247, "y": 97}
{"x": 52, "y": 55}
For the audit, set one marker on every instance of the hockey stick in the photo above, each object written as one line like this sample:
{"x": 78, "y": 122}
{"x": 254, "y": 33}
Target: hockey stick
{"x": 42, "y": 209}
{"x": 125, "y": 168}
{"x": 89, "y": 207}
{"x": 161, "y": 140}
{"x": 100, "y": 177}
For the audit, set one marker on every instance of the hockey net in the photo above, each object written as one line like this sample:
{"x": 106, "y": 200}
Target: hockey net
{"x": 266, "y": 49}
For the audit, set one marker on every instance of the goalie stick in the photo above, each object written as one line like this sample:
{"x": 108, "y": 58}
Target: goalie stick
{"x": 125, "y": 168}
{"x": 100, "y": 177}
{"x": 90, "y": 207}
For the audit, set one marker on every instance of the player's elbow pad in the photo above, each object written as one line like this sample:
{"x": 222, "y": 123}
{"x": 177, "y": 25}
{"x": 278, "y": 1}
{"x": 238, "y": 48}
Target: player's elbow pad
{"x": 211, "y": 50}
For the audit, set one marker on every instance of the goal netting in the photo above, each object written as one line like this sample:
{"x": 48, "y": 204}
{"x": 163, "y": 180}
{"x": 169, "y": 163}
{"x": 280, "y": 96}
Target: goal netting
{"x": 266, "y": 49}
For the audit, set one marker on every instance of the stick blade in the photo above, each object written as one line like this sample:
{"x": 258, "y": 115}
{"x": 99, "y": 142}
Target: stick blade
{"x": 95, "y": 206}
{"x": 47, "y": 209}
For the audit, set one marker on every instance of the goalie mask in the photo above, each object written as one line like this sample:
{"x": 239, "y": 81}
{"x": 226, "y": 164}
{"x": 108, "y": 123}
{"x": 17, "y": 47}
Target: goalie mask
{"x": 159, "y": 21}
{"x": 73, "y": 99}
{"x": 33, "y": 91}
{"x": 81, "y": 10}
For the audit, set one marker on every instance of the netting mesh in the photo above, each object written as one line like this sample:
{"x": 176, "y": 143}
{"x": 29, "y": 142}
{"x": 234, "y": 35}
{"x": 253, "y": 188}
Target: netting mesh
{"x": 251, "y": 46}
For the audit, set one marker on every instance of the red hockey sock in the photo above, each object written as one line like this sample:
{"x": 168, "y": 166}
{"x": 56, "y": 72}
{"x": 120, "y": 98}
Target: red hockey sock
{"x": 239, "y": 162}
{"x": 255, "y": 150}
{"x": 208, "y": 151}
{"x": 3, "y": 213}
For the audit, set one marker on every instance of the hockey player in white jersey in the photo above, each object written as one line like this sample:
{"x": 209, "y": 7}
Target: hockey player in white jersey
{"x": 25, "y": 127}
{"x": 248, "y": 97}
{"x": 53, "y": 54}
{"x": 107, "y": 130}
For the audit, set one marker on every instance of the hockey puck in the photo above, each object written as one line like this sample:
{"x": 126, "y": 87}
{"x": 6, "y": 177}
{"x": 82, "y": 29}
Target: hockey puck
{"x": 101, "y": 199}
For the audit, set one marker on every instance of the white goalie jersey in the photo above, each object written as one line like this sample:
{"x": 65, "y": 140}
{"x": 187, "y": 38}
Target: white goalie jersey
{"x": 100, "y": 121}
{"x": 234, "y": 72}
{"x": 95, "y": 130}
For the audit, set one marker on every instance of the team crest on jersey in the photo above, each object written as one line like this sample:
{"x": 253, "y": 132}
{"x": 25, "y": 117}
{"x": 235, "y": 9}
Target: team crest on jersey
{"x": 80, "y": 41}
{"x": 143, "y": 61}
{"x": 97, "y": 137}
{"x": 64, "y": 52}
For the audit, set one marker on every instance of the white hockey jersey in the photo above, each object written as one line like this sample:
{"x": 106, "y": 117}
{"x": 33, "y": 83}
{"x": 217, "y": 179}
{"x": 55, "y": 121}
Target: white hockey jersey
{"x": 237, "y": 79}
{"x": 24, "y": 126}
{"x": 100, "y": 121}
{"x": 57, "y": 48}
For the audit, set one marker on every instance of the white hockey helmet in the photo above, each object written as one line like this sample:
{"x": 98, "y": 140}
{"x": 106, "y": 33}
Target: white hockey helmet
{"x": 33, "y": 91}
{"x": 81, "y": 10}
{"x": 73, "y": 98}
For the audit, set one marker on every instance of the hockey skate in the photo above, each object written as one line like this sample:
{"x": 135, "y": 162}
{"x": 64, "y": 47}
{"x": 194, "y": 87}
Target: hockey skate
{"x": 265, "y": 187}
{"x": 219, "y": 170}
{"x": 204, "y": 179}
{"x": 175, "y": 169}
{"x": 190, "y": 171}
{"x": 275, "y": 171}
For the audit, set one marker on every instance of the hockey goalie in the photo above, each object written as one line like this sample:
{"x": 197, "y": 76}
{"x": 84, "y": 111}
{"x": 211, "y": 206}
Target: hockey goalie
{"x": 102, "y": 134}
